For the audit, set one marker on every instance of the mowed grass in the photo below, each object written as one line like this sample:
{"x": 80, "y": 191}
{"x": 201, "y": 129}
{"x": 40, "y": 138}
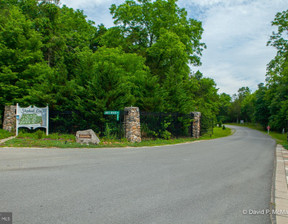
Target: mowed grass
{"x": 218, "y": 133}
{"x": 5, "y": 134}
{"x": 39, "y": 139}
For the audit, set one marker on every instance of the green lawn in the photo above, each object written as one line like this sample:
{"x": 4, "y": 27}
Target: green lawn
{"x": 4, "y": 134}
{"x": 39, "y": 139}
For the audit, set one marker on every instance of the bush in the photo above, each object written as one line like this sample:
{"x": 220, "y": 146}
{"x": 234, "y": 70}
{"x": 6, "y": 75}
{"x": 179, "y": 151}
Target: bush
{"x": 147, "y": 133}
{"x": 223, "y": 127}
{"x": 39, "y": 134}
{"x": 107, "y": 131}
{"x": 109, "y": 134}
{"x": 165, "y": 134}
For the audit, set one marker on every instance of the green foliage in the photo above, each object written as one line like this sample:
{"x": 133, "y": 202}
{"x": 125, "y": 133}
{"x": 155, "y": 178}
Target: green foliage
{"x": 165, "y": 134}
{"x": 140, "y": 24}
{"x": 147, "y": 133}
{"x": 269, "y": 104}
{"x": 41, "y": 134}
{"x": 5, "y": 134}
{"x": 20, "y": 53}
{"x": 160, "y": 32}
{"x": 224, "y": 105}
{"x": 50, "y": 54}
{"x": 277, "y": 74}
{"x": 107, "y": 131}
{"x": 33, "y": 134}
{"x": 70, "y": 143}
{"x": 262, "y": 112}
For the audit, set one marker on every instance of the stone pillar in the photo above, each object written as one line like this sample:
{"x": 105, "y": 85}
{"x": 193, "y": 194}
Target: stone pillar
{"x": 196, "y": 127}
{"x": 9, "y": 122}
{"x": 132, "y": 124}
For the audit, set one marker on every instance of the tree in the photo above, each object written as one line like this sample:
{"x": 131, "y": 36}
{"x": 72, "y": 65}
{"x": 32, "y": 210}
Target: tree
{"x": 141, "y": 22}
{"x": 236, "y": 112}
{"x": 160, "y": 32}
{"x": 21, "y": 58}
{"x": 225, "y": 104}
{"x": 262, "y": 112}
{"x": 248, "y": 108}
{"x": 277, "y": 74}
{"x": 51, "y": 54}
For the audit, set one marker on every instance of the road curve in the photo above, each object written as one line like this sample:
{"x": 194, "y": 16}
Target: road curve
{"x": 213, "y": 181}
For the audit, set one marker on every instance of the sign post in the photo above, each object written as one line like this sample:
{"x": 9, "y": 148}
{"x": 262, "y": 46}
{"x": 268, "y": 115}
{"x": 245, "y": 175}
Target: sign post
{"x": 268, "y": 129}
{"x": 113, "y": 113}
{"x": 32, "y": 118}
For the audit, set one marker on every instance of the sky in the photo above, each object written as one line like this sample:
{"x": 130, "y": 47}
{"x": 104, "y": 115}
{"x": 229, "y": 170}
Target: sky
{"x": 235, "y": 32}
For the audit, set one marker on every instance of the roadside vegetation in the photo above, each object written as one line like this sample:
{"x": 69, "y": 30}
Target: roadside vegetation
{"x": 62, "y": 59}
{"x": 39, "y": 139}
{"x": 5, "y": 134}
{"x": 268, "y": 105}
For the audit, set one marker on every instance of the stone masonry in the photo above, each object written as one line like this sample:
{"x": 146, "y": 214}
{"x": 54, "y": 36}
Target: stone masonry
{"x": 87, "y": 137}
{"x": 9, "y": 123}
{"x": 196, "y": 127}
{"x": 132, "y": 124}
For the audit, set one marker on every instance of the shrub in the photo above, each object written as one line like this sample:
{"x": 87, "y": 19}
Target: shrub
{"x": 39, "y": 134}
{"x": 165, "y": 134}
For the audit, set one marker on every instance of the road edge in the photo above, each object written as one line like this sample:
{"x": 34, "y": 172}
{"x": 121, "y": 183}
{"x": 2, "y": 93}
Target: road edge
{"x": 281, "y": 189}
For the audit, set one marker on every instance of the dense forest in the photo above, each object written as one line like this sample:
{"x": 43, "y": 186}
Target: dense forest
{"x": 51, "y": 54}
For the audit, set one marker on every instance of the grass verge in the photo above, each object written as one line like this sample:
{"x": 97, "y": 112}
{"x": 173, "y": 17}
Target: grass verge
{"x": 5, "y": 134}
{"x": 279, "y": 137}
{"x": 68, "y": 141}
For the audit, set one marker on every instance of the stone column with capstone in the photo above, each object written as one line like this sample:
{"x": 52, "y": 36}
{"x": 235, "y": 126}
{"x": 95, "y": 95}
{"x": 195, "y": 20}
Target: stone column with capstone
{"x": 9, "y": 123}
{"x": 196, "y": 127}
{"x": 132, "y": 124}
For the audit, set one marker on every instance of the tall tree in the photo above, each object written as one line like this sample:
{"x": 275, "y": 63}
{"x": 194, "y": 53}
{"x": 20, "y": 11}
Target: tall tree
{"x": 21, "y": 58}
{"x": 141, "y": 23}
{"x": 277, "y": 74}
{"x": 262, "y": 112}
{"x": 160, "y": 32}
{"x": 225, "y": 104}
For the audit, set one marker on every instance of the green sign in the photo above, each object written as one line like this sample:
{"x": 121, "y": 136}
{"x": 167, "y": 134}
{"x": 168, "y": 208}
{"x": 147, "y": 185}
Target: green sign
{"x": 30, "y": 119}
{"x": 112, "y": 113}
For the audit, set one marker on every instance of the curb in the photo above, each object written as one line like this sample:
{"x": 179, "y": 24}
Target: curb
{"x": 281, "y": 189}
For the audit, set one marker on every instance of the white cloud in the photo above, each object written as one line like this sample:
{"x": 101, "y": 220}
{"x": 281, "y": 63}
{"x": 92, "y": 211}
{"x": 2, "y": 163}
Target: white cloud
{"x": 236, "y": 34}
{"x": 96, "y": 10}
{"x": 85, "y": 4}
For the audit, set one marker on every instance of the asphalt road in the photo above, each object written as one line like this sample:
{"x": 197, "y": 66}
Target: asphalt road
{"x": 212, "y": 181}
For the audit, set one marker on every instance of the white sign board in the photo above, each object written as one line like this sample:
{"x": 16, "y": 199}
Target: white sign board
{"x": 32, "y": 118}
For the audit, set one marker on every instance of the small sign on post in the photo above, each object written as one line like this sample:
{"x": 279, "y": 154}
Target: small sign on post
{"x": 113, "y": 113}
{"x": 32, "y": 118}
{"x": 268, "y": 128}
